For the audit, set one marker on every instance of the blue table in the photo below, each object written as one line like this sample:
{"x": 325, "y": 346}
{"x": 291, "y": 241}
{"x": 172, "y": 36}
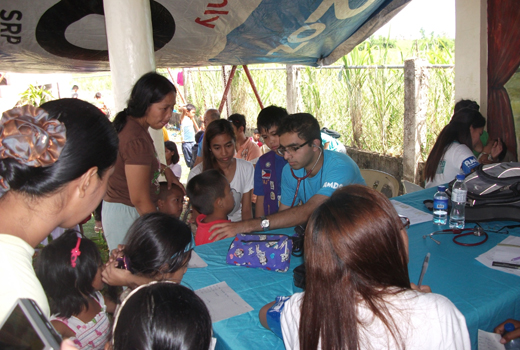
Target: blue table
{"x": 486, "y": 297}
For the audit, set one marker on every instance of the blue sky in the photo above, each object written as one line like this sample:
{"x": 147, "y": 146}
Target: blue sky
{"x": 433, "y": 15}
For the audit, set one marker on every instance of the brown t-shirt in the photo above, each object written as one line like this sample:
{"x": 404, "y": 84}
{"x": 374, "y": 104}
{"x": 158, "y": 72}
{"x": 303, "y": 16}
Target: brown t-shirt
{"x": 135, "y": 148}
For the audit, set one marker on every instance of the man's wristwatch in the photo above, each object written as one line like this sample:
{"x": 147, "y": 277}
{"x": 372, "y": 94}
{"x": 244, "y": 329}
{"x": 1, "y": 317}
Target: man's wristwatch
{"x": 264, "y": 223}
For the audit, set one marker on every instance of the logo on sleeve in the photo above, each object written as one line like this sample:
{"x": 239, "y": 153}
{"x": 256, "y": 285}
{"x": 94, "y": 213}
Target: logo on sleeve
{"x": 468, "y": 164}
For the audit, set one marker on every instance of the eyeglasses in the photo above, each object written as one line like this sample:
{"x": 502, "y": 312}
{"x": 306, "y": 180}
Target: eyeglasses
{"x": 405, "y": 221}
{"x": 291, "y": 149}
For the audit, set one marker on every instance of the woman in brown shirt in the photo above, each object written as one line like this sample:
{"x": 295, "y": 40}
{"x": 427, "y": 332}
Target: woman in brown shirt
{"x": 134, "y": 187}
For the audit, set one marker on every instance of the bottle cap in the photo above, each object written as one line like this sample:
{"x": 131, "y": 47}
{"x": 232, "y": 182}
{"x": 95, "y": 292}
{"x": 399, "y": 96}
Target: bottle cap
{"x": 509, "y": 327}
{"x": 461, "y": 177}
{"x": 441, "y": 188}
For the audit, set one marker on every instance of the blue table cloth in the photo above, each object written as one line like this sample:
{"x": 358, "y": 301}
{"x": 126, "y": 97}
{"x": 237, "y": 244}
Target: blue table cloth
{"x": 485, "y": 296}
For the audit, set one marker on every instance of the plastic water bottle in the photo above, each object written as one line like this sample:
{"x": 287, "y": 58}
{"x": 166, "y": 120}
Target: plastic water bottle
{"x": 440, "y": 206}
{"x": 513, "y": 344}
{"x": 458, "y": 203}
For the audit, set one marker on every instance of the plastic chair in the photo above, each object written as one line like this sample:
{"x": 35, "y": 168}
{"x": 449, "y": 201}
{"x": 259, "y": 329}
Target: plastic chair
{"x": 410, "y": 187}
{"x": 381, "y": 182}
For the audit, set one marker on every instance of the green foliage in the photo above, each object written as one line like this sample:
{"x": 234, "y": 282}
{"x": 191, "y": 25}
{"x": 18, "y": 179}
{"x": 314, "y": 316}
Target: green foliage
{"x": 35, "y": 96}
{"x": 365, "y": 105}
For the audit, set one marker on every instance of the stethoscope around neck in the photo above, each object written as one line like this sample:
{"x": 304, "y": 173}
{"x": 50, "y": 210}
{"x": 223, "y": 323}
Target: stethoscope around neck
{"x": 300, "y": 179}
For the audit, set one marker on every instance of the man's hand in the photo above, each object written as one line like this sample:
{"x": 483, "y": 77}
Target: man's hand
{"x": 228, "y": 229}
{"x": 509, "y": 336}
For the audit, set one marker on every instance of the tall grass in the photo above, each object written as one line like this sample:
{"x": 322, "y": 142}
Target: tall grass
{"x": 365, "y": 105}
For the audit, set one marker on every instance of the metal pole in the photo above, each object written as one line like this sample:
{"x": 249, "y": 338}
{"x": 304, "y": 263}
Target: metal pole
{"x": 250, "y": 78}
{"x": 226, "y": 90}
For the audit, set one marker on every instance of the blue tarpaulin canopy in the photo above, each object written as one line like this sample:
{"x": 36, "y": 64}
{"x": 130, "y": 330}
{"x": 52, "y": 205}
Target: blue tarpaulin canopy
{"x": 69, "y": 35}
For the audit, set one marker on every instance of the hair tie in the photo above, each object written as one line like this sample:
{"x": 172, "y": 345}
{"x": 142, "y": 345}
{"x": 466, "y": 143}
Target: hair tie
{"x": 74, "y": 253}
{"x": 188, "y": 247}
{"x": 30, "y": 136}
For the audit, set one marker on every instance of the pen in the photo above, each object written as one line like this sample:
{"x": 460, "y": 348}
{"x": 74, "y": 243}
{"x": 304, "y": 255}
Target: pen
{"x": 424, "y": 268}
{"x": 506, "y": 265}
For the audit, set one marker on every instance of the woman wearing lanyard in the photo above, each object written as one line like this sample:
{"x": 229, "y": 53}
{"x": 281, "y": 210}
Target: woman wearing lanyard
{"x": 218, "y": 153}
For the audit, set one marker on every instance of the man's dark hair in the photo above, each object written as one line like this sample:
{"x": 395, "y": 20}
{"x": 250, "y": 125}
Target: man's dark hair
{"x": 204, "y": 189}
{"x": 269, "y": 117}
{"x": 303, "y": 124}
{"x": 238, "y": 120}
{"x": 190, "y": 107}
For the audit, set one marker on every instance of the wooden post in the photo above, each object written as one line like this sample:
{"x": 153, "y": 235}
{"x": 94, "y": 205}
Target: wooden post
{"x": 292, "y": 89}
{"x": 414, "y": 125}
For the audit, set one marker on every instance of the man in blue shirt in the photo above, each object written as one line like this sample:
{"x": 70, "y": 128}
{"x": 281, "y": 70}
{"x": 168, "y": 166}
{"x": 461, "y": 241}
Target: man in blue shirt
{"x": 311, "y": 176}
{"x": 268, "y": 169}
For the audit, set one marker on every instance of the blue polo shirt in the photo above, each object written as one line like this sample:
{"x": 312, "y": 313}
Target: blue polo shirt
{"x": 338, "y": 170}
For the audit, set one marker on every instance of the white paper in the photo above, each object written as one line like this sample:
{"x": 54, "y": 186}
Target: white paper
{"x": 222, "y": 302}
{"x": 416, "y": 216}
{"x": 506, "y": 251}
{"x": 196, "y": 261}
{"x": 489, "y": 341}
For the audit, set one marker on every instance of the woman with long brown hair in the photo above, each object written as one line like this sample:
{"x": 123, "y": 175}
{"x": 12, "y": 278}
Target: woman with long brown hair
{"x": 218, "y": 152}
{"x": 453, "y": 150}
{"x": 358, "y": 293}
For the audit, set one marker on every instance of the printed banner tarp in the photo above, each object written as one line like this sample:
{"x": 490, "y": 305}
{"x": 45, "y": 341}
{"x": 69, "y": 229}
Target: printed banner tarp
{"x": 69, "y": 35}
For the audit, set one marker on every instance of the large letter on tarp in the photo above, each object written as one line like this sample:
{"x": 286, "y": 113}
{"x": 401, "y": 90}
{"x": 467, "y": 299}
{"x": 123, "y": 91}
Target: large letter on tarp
{"x": 50, "y": 31}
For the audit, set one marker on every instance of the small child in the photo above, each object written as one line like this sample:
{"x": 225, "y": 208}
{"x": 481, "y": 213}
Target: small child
{"x": 170, "y": 200}
{"x": 162, "y": 315}
{"x": 256, "y": 138}
{"x": 69, "y": 269}
{"x": 158, "y": 248}
{"x": 172, "y": 158}
{"x": 211, "y": 195}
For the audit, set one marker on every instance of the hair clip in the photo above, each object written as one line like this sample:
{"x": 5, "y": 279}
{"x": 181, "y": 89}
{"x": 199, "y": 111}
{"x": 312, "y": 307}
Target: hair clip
{"x": 74, "y": 253}
{"x": 188, "y": 247}
{"x": 29, "y": 135}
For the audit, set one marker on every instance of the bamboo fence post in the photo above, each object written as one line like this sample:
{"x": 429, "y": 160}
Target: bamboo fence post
{"x": 414, "y": 125}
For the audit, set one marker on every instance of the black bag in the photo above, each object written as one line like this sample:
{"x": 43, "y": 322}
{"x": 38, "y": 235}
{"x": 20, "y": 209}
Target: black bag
{"x": 493, "y": 192}
{"x": 299, "y": 276}
{"x": 331, "y": 133}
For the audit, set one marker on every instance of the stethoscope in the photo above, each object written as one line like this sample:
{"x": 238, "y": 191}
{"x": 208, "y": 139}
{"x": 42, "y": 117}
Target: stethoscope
{"x": 300, "y": 179}
{"x": 459, "y": 233}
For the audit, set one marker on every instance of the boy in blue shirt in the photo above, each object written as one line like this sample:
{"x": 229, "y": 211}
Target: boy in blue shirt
{"x": 268, "y": 169}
